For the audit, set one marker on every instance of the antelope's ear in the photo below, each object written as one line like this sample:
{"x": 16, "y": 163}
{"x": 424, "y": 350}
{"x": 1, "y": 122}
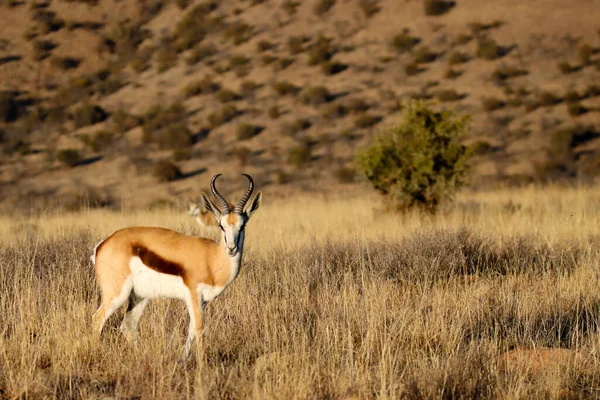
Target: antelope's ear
{"x": 254, "y": 204}
{"x": 210, "y": 206}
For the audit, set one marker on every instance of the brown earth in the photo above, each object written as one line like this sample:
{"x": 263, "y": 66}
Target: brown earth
{"x": 109, "y": 53}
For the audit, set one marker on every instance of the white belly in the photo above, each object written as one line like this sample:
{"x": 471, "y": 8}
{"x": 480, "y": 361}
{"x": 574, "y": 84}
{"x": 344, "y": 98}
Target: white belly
{"x": 147, "y": 283}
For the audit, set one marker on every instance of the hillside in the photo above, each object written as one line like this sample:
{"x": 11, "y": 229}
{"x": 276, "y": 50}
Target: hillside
{"x": 139, "y": 103}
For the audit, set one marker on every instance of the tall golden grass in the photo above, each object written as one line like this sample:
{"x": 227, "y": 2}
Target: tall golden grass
{"x": 335, "y": 299}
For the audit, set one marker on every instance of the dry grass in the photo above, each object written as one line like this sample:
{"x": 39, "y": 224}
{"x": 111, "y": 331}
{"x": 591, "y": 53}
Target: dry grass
{"x": 335, "y": 299}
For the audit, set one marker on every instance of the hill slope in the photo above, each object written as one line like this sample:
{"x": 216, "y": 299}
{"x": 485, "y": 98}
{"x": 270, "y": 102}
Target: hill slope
{"x": 97, "y": 95}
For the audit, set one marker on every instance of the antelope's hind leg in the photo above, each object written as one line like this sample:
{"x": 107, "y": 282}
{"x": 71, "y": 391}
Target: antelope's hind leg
{"x": 110, "y": 304}
{"x": 135, "y": 309}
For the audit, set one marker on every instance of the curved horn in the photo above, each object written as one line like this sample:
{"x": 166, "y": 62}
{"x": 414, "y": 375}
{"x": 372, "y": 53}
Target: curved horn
{"x": 239, "y": 208}
{"x": 224, "y": 205}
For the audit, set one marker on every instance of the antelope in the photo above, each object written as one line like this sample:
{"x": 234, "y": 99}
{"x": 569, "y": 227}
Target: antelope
{"x": 202, "y": 215}
{"x": 144, "y": 263}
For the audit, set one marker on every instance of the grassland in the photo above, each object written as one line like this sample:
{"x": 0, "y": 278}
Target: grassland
{"x": 336, "y": 299}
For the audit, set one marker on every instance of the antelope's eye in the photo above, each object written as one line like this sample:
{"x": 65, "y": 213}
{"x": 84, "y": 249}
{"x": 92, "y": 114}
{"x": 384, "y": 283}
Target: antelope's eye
{"x": 221, "y": 226}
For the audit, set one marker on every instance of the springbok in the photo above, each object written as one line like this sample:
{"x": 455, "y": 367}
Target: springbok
{"x": 143, "y": 263}
{"x": 202, "y": 215}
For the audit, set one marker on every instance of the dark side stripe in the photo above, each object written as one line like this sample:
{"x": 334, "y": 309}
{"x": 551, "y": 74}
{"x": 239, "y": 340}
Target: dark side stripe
{"x": 156, "y": 262}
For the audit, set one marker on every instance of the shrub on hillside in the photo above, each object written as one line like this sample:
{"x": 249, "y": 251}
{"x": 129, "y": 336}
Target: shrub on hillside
{"x": 225, "y": 114}
{"x": 299, "y": 155}
{"x": 166, "y": 171}
{"x": 246, "y": 131}
{"x": 296, "y": 44}
{"x": 320, "y": 51}
{"x": 437, "y": 7}
{"x": 322, "y": 6}
{"x": 8, "y": 107}
{"x": 366, "y": 120}
{"x": 284, "y": 88}
{"x": 404, "y": 42}
{"x": 488, "y": 49}
{"x": 201, "y": 53}
{"x": 88, "y": 114}
{"x": 331, "y": 67}
{"x": 565, "y": 67}
{"x": 175, "y": 136}
{"x": 422, "y": 161}
{"x": 315, "y": 95}
{"x": 585, "y": 53}
{"x": 226, "y": 95}
{"x": 69, "y": 157}
{"x": 369, "y": 7}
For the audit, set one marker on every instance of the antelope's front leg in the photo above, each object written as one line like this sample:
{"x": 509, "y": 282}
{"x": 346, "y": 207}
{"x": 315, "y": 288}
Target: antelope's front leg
{"x": 196, "y": 325}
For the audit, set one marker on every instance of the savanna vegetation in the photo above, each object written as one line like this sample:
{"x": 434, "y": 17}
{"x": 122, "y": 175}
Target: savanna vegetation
{"x": 335, "y": 300}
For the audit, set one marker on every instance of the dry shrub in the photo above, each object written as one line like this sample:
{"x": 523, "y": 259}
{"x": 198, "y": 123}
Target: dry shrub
{"x": 322, "y": 6}
{"x": 225, "y": 114}
{"x": 88, "y": 114}
{"x": 404, "y": 42}
{"x": 166, "y": 171}
{"x": 369, "y": 7}
{"x": 315, "y": 95}
{"x": 284, "y": 88}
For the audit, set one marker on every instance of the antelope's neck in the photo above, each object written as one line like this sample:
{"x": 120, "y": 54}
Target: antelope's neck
{"x": 232, "y": 263}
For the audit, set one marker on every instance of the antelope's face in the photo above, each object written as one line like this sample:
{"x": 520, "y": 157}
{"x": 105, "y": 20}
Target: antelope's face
{"x": 232, "y": 222}
{"x": 232, "y": 226}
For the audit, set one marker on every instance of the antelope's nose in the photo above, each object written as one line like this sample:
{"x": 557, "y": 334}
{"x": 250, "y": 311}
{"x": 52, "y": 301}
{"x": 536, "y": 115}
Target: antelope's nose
{"x": 232, "y": 251}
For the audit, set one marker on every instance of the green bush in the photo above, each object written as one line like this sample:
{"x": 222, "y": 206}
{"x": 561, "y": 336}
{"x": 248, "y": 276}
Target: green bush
{"x": 422, "y": 161}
